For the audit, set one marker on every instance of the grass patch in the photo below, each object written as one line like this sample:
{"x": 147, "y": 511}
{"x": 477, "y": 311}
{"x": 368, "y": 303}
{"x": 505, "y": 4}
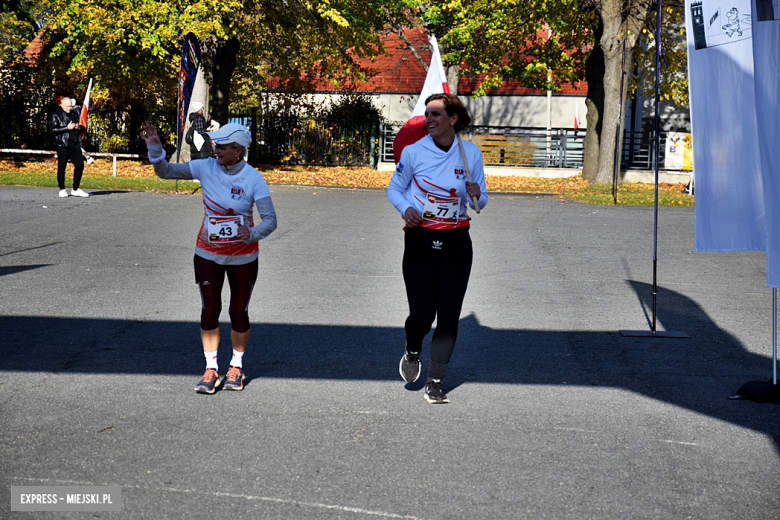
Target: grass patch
{"x": 139, "y": 176}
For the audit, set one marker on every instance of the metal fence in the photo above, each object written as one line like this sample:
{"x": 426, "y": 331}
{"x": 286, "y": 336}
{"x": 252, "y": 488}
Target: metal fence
{"x": 513, "y": 146}
{"x": 313, "y": 141}
{"x": 321, "y": 141}
{"x": 110, "y": 130}
{"x": 277, "y": 139}
{"x": 536, "y": 148}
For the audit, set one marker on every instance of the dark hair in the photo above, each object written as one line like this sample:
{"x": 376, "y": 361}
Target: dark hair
{"x": 453, "y": 106}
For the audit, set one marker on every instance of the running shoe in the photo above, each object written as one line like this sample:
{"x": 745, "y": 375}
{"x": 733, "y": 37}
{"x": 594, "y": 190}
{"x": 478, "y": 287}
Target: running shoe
{"x": 209, "y": 383}
{"x": 63, "y": 193}
{"x": 410, "y": 366}
{"x": 234, "y": 380}
{"x": 79, "y": 193}
{"x": 433, "y": 393}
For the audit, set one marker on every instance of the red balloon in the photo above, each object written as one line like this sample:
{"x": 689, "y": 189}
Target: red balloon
{"x": 412, "y": 131}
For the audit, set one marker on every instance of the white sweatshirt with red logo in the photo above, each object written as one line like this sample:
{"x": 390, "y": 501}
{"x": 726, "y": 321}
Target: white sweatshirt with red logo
{"x": 428, "y": 174}
{"x": 227, "y": 192}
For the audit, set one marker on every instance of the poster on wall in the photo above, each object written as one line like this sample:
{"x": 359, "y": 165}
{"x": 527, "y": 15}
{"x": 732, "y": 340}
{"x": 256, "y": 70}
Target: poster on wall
{"x": 678, "y": 151}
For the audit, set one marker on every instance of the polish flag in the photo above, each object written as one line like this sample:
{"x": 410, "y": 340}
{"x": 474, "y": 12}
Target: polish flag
{"x": 84, "y": 110}
{"x": 435, "y": 83}
{"x": 576, "y": 115}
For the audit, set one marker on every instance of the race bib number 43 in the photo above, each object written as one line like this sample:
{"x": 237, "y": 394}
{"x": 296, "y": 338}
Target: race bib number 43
{"x": 224, "y": 229}
{"x": 444, "y": 210}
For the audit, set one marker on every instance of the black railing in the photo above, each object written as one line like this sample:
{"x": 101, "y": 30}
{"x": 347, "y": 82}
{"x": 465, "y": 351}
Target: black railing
{"x": 277, "y": 139}
{"x": 317, "y": 141}
{"x": 109, "y": 130}
{"x": 320, "y": 141}
{"x": 536, "y": 148}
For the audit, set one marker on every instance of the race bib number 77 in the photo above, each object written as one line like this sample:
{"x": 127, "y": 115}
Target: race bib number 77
{"x": 224, "y": 229}
{"x": 443, "y": 210}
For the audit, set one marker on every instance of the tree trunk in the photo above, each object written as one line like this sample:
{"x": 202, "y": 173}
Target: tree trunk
{"x": 453, "y": 75}
{"x": 601, "y": 141}
{"x": 200, "y": 91}
{"x": 224, "y": 65}
{"x": 594, "y": 102}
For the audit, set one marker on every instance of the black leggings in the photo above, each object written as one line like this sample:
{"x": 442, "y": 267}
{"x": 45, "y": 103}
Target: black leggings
{"x": 75, "y": 156}
{"x": 210, "y": 277}
{"x": 436, "y": 266}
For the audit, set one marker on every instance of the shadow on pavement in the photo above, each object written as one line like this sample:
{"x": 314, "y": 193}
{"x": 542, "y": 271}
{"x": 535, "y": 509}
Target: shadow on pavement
{"x": 11, "y": 269}
{"x": 697, "y": 374}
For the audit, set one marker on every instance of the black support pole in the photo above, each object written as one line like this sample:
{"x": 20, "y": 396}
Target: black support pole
{"x": 653, "y": 332}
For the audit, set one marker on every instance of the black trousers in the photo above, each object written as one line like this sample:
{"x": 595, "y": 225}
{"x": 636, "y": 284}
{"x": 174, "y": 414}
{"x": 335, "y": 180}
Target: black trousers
{"x": 73, "y": 155}
{"x": 436, "y": 267}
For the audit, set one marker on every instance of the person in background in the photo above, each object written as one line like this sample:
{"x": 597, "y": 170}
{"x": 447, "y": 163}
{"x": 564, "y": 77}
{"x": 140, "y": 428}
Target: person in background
{"x": 65, "y": 128}
{"x": 200, "y": 147}
{"x": 430, "y": 189}
{"x": 227, "y": 241}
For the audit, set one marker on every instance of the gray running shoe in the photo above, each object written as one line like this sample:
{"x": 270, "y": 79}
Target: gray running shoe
{"x": 433, "y": 393}
{"x": 209, "y": 383}
{"x": 410, "y": 366}
{"x": 234, "y": 380}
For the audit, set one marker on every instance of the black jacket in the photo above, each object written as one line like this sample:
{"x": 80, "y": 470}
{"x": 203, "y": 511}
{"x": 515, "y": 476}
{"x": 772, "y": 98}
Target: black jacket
{"x": 198, "y": 124}
{"x": 64, "y": 138}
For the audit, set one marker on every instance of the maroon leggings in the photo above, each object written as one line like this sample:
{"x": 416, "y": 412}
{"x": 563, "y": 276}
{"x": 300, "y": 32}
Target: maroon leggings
{"x": 210, "y": 277}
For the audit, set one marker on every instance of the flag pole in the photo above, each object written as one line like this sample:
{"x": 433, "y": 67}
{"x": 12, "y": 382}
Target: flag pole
{"x": 653, "y": 333}
{"x": 774, "y": 335}
{"x": 618, "y": 147}
{"x": 764, "y": 391}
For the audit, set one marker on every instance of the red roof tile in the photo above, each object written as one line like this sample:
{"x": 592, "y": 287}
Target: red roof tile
{"x": 401, "y": 72}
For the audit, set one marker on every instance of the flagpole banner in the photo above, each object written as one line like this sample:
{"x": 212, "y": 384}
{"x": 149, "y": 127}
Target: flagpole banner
{"x": 84, "y": 110}
{"x": 576, "y": 115}
{"x": 435, "y": 83}
{"x": 729, "y": 199}
{"x": 766, "y": 58}
{"x": 190, "y": 60}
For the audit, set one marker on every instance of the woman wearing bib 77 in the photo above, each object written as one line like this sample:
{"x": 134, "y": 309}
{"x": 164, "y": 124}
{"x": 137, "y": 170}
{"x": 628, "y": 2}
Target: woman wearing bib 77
{"x": 430, "y": 189}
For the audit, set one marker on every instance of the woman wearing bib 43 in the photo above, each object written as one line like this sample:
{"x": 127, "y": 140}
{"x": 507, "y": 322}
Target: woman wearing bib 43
{"x": 430, "y": 189}
{"x": 227, "y": 241}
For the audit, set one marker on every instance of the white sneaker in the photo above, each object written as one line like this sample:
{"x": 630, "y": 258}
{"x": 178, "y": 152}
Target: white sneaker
{"x": 90, "y": 160}
{"x": 63, "y": 193}
{"x": 78, "y": 193}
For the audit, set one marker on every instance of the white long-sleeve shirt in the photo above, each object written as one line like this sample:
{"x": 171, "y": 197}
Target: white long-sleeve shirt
{"x": 434, "y": 182}
{"x": 228, "y": 195}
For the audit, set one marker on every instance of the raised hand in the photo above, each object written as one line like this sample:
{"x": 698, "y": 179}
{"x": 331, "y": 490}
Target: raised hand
{"x": 149, "y": 134}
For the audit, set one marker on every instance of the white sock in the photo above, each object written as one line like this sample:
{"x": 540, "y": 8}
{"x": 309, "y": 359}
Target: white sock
{"x": 237, "y": 357}
{"x": 211, "y": 360}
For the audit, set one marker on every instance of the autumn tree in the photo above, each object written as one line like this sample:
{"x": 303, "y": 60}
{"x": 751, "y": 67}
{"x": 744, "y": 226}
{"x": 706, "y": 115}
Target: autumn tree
{"x": 132, "y": 47}
{"x": 546, "y": 43}
{"x": 20, "y": 21}
{"x": 411, "y": 14}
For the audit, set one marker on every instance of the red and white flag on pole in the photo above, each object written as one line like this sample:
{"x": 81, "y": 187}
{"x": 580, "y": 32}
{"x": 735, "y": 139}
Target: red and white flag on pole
{"x": 576, "y": 115}
{"x": 84, "y": 110}
{"x": 435, "y": 83}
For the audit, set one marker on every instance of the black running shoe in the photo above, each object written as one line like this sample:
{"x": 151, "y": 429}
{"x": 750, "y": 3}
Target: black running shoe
{"x": 410, "y": 366}
{"x": 433, "y": 393}
{"x": 234, "y": 380}
{"x": 209, "y": 383}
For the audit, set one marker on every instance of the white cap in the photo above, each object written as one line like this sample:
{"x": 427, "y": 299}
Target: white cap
{"x": 232, "y": 133}
{"x": 196, "y": 106}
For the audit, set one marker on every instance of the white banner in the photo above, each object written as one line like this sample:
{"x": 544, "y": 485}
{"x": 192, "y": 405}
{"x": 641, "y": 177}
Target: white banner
{"x": 729, "y": 194}
{"x": 766, "y": 53}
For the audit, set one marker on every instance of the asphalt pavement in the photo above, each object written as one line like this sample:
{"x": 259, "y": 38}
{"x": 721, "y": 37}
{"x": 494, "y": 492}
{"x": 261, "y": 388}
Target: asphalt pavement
{"x": 554, "y": 414}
